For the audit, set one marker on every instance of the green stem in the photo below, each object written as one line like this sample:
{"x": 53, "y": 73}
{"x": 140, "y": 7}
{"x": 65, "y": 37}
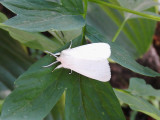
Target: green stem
{"x": 133, "y": 115}
{"x": 1, "y": 103}
{"x": 84, "y": 16}
{"x": 83, "y": 36}
{"x": 127, "y": 10}
{"x": 85, "y": 8}
{"x": 119, "y": 31}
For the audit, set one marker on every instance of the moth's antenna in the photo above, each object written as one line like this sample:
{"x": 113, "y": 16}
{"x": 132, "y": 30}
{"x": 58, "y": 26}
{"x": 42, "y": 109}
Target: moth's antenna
{"x": 52, "y": 54}
{"x": 70, "y": 45}
{"x": 51, "y": 64}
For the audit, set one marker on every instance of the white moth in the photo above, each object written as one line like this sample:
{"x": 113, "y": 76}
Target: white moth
{"x": 89, "y": 60}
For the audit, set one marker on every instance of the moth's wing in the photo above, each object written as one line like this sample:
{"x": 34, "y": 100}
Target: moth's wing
{"x": 95, "y": 69}
{"x": 94, "y": 51}
{"x": 89, "y": 60}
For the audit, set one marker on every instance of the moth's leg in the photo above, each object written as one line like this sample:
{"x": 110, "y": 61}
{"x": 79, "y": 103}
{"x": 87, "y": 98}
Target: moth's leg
{"x": 52, "y": 54}
{"x": 71, "y": 72}
{"x": 57, "y": 54}
{"x": 59, "y": 66}
{"x": 70, "y": 45}
{"x": 51, "y": 64}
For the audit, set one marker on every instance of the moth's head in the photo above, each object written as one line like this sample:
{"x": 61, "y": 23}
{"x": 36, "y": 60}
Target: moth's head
{"x": 58, "y": 58}
{"x": 65, "y": 58}
{"x": 61, "y": 57}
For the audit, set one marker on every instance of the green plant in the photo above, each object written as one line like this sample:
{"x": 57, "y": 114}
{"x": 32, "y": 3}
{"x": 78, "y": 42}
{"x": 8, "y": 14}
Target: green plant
{"x": 39, "y": 91}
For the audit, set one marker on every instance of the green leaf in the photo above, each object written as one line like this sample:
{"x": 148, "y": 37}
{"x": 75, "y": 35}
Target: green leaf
{"x": 39, "y": 16}
{"x": 53, "y": 21}
{"x": 138, "y": 104}
{"x": 136, "y": 35}
{"x": 148, "y": 16}
{"x": 32, "y": 40}
{"x": 14, "y": 60}
{"x": 85, "y": 97}
{"x": 138, "y": 5}
{"x": 37, "y": 91}
{"x": 73, "y": 5}
{"x": 119, "y": 54}
{"x": 139, "y": 87}
{"x": 2, "y": 17}
{"x": 31, "y": 7}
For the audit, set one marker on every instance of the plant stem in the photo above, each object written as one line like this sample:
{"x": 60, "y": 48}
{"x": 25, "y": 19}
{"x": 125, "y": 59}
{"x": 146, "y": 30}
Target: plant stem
{"x": 127, "y": 10}
{"x": 85, "y": 8}
{"x": 1, "y": 102}
{"x": 84, "y": 16}
{"x": 119, "y": 31}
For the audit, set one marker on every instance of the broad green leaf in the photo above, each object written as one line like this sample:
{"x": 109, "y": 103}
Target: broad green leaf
{"x": 73, "y": 5}
{"x": 88, "y": 99}
{"x": 139, "y": 87}
{"x": 148, "y": 16}
{"x": 42, "y": 87}
{"x": 38, "y": 16}
{"x": 138, "y": 104}
{"x": 136, "y": 5}
{"x": 31, "y": 7}
{"x": 32, "y": 40}
{"x": 37, "y": 91}
{"x": 14, "y": 60}
{"x": 45, "y": 22}
{"x": 136, "y": 35}
{"x": 119, "y": 54}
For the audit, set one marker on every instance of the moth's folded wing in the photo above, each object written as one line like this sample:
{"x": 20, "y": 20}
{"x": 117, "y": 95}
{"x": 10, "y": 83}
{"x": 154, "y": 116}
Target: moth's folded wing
{"x": 95, "y": 69}
{"x": 94, "y": 51}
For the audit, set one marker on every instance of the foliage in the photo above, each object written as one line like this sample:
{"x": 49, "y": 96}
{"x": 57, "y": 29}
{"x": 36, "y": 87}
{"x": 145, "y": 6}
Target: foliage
{"x": 38, "y": 90}
{"x": 133, "y": 34}
{"x": 137, "y": 91}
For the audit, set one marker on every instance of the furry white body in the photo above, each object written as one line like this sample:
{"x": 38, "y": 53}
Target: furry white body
{"x": 89, "y": 60}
